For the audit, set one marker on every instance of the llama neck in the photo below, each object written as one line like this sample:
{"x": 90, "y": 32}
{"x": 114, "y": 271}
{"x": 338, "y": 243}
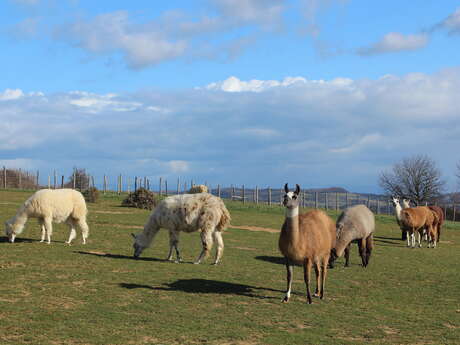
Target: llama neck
{"x": 18, "y": 221}
{"x": 292, "y": 223}
{"x": 398, "y": 209}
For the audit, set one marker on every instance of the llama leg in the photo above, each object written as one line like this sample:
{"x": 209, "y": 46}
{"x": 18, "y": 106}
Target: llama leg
{"x": 420, "y": 238}
{"x": 73, "y": 233}
{"x": 408, "y": 236}
{"x": 323, "y": 277}
{"x": 316, "y": 266}
{"x": 49, "y": 229}
{"x": 289, "y": 270}
{"x": 42, "y": 227}
{"x": 84, "y": 229}
{"x": 174, "y": 245}
{"x": 369, "y": 247}
{"x": 362, "y": 250}
{"x": 220, "y": 245}
{"x": 306, "y": 275}
{"x": 206, "y": 242}
{"x": 347, "y": 255}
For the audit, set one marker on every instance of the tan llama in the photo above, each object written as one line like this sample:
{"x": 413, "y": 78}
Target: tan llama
{"x": 306, "y": 239}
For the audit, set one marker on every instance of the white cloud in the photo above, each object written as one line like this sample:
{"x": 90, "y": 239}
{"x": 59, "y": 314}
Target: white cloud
{"x": 112, "y": 32}
{"x": 233, "y": 84}
{"x": 361, "y": 143}
{"x": 320, "y": 126}
{"x": 451, "y": 23}
{"x": 265, "y": 12}
{"x": 93, "y": 103}
{"x": 10, "y": 94}
{"x": 178, "y": 167}
{"x": 395, "y": 42}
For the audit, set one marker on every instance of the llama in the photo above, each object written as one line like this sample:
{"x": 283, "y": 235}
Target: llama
{"x": 355, "y": 223}
{"x": 48, "y": 205}
{"x": 398, "y": 210}
{"x": 405, "y": 203}
{"x": 306, "y": 239}
{"x": 440, "y": 214}
{"x": 189, "y": 213}
{"x": 417, "y": 219}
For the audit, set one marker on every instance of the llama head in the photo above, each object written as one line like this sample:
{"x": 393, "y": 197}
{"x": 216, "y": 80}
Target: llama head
{"x": 137, "y": 246}
{"x": 11, "y": 230}
{"x": 291, "y": 199}
{"x": 406, "y": 203}
{"x": 339, "y": 228}
{"x": 395, "y": 201}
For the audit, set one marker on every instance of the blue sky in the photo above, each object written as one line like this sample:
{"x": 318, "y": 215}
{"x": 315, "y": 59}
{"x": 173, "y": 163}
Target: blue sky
{"x": 316, "y": 92}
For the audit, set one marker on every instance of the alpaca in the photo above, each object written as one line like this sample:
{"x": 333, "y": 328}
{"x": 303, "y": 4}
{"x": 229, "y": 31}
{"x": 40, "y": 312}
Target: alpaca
{"x": 306, "y": 239}
{"x": 440, "y": 214}
{"x": 355, "y": 223}
{"x": 417, "y": 219}
{"x": 189, "y": 213}
{"x": 48, "y": 205}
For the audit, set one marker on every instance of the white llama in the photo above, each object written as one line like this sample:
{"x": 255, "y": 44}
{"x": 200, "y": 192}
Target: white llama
{"x": 48, "y": 205}
{"x": 189, "y": 213}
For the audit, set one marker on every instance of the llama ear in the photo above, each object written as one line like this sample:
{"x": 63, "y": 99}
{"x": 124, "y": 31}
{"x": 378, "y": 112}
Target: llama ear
{"x": 286, "y": 189}
{"x": 297, "y": 189}
{"x": 133, "y": 235}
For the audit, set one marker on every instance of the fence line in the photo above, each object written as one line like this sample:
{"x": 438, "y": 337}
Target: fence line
{"x": 379, "y": 204}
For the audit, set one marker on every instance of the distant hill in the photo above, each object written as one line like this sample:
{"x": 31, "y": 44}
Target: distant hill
{"x": 328, "y": 190}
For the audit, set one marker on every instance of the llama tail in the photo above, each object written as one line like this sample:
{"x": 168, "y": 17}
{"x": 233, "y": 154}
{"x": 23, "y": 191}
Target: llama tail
{"x": 225, "y": 219}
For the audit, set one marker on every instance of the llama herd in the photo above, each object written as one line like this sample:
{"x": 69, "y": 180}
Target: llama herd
{"x": 311, "y": 239}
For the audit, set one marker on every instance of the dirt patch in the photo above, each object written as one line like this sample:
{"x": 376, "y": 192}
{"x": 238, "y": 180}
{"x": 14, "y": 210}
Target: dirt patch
{"x": 110, "y": 212}
{"x": 254, "y": 228}
{"x": 122, "y": 226}
{"x": 244, "y": 248}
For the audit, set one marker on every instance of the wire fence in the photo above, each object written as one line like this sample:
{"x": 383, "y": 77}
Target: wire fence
{"x": 379, "y": 204}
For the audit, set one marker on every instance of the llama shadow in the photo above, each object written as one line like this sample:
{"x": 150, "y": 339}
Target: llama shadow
{"x": 280, "y": 260}
{"x": 388, "y": 240}
{"x": 207, "y": 287}
{"x": 118, "y": 256}
{"x": 17, "y": 240}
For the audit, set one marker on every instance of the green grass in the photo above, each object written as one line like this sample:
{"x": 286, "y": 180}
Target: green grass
{"x": 97, "y": 294}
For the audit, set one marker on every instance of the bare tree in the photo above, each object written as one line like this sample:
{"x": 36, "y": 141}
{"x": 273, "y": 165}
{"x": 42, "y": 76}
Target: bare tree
{"x": 80, "y": 180}
{"x": 416, "y": 178}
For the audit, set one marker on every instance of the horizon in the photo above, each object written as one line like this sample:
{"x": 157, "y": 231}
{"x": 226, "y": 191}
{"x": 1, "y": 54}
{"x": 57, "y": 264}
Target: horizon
{"x": 319, "y": 93}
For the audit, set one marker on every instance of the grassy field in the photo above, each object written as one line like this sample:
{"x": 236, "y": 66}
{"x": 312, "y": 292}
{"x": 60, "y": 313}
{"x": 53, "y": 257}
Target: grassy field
{"x": 97, "y": 294}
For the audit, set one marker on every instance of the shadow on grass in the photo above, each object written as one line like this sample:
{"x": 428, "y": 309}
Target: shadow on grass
{"x": 118, "y": 256}
{"x": 207, "y": 287}
{"x": 389, "y": 240}
{"x": 18, "y": 240}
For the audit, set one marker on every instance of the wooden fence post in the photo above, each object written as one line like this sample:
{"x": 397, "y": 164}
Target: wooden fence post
{"x": 326, "y": 201}
{"x": 38, "y": 179}
{"x": 336, "y": 201}
{"x": 178, "y": 185}
{"x": 454, "y": 211}
{"x": 316, "y": 199}
{"x": 62, "y": 181}
{"x": 218, "y": 190}
{"x": 55, "y": 178}
{"x": 244, "y": 196}
{"x": 4, "y": 177}
{"x": 166, "y": 187}
{"x": 269, "y": 195}
{"x": 161, "y": 185}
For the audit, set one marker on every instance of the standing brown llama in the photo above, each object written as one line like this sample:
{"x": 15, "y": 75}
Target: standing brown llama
{"x": 306, "y": 239}
{"x": 417, "y": 219}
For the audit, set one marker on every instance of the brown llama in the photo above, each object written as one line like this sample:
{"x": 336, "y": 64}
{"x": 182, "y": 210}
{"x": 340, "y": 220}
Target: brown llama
{"x": 306, "y": 239}
{"x": 440, "y": 213}
{"x": 417, "y": 219}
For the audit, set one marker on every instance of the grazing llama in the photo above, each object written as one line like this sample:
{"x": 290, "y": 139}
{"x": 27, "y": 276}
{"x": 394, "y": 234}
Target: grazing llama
{"x": 355, "y": 223}
{"x": 306, "y": 239}
{"x": 189, "y": 213}
{"x": 49, "y": 205}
